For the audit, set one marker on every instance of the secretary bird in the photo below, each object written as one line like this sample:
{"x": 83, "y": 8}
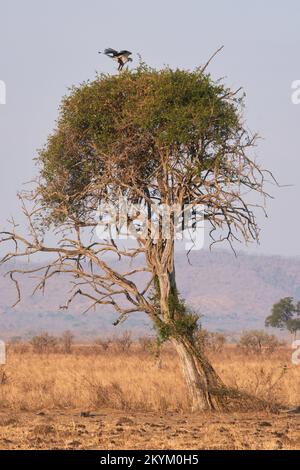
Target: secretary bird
{"x": 122, "y": 57}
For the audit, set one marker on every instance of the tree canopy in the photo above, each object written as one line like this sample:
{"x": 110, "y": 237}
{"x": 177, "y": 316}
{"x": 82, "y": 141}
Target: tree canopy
{"x": 285, "y": 315}
{"x": 119, "y": 132}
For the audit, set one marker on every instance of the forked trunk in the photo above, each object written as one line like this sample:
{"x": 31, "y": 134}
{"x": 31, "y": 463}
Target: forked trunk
{"x": 206, "y": 390}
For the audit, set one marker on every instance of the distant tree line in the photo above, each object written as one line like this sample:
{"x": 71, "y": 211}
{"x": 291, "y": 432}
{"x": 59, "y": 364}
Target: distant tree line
{"x": 250, "y": 342}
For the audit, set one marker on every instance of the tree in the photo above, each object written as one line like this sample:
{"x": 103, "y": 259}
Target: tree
{"x": 257, "y": 342}
{"x": 104, "y": 343}
{"x": 43, "y": 343}
{"x": 283, "y": 315}
{"x": 67, "y": 341}
{"x": 124, "y": 342}
{"x": 159, "y": 139}
{"x": 293, "y": 326}
{"x": 210, "y": 341}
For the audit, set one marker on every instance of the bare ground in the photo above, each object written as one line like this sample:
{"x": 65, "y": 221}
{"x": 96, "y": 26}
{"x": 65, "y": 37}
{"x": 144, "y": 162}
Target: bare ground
{"x": 110, "y": 429}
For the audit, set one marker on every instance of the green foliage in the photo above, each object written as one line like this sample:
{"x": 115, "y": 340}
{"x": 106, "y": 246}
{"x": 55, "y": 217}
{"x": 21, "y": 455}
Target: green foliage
{"x": 116, "y": 123}
{"x": 177, "y": 307}
{"x": 283, "y": 315}
{"x": 165, "y": 331}
{"x": 182, "y": 321}
{"x": 185, "y": 325}
{"x": 293, "y": 325}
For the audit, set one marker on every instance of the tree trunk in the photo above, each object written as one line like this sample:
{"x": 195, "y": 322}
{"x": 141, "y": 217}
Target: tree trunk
{"x": 206, "y": 390}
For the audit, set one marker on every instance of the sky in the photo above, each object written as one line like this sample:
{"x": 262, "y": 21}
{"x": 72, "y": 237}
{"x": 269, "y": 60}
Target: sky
{"x": 46, "y": 47}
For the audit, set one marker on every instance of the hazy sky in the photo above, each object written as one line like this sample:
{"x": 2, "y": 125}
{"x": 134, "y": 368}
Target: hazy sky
{"x": 46, "y": 46}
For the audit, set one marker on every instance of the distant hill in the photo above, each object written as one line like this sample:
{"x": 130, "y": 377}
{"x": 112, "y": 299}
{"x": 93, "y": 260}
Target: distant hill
{"x": 231, "y": 293}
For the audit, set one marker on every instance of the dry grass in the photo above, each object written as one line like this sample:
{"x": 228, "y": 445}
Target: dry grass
{"x": 134, "y": 381}
{"x": 114, "y": 400}
{"x": 119, "y": 381}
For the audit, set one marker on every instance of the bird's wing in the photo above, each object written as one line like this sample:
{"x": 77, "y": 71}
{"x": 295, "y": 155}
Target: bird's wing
{"x": 124, "y": 53}
{"x": 111, "y": 51}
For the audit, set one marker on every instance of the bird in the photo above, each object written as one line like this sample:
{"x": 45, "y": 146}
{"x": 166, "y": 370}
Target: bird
{"x": 122, "y": 57}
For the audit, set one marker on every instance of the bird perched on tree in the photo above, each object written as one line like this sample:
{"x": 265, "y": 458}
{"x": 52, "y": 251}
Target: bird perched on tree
{"x": 122, "y": 57}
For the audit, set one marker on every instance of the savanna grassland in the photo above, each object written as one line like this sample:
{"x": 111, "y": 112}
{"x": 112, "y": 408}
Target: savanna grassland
{"x": 98, "y": 397}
